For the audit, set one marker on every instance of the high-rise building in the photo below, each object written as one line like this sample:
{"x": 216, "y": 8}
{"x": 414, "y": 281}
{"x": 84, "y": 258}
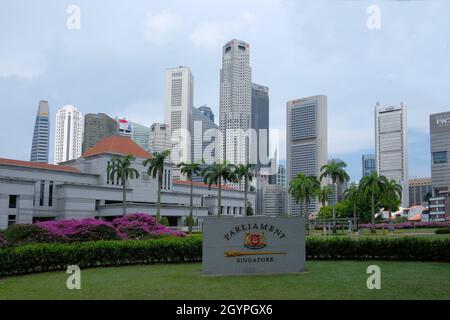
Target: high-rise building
{"x": 235, "y": 117}
{"x": 260, "y": 123}
{"x": 41, "y": 135}
{"x": 338, "y": 189}
{"x": 201, "y": 123}
{"x": 419, "y": 189}
{"x": 440, "y": 152}
{"x": 125, "y": 128}
{"x": 281, "y": 176}
{"x": 273, "y": 199}
{"x": 159, "y": 139}
{"x": 96, "y": 128}
{"x": 307, "y": 142}
{"x": 68, "y": 134}
{"x": 178, "y": 112}
{"x": 391, "y": 145}
{"x": 141, "y": 135}
{"x": 368, "y": 164}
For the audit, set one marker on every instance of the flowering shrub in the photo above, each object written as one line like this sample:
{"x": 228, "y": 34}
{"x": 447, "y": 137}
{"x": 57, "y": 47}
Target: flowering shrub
{"x": 80, "y": 230}
{"x": 141, "y": 226}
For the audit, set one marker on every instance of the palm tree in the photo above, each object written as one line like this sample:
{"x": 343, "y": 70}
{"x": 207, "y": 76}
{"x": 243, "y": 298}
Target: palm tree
{"x": 244, "y": 171}
{"x": 155, "y": 170}
{"x": 219, "y": 173}
{"x": 190, "y": 169}
{"x": 334, "y": 170}
{"x": 392, "y": 196}
{"x": 120, "y": 168}
{"x": 374, "y": 186}
{"x": 323, "y": 194}
{"x": 352, "y": 194}
{"x": 302, "y": 188}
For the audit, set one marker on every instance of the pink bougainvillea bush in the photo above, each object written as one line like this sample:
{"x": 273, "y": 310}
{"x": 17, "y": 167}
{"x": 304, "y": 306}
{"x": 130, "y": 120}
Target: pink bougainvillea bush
{"x": 141, "y": 225}
{"x": 80, "y": 230}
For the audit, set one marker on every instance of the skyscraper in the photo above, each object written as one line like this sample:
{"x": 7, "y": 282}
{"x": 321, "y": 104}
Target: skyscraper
{"x": 391, "y": 145}
{"x": 260, "y": 123}
{"x": 97, "y": 127}
{"x": 202, "y": 121}
{"x": 159, "y": 138}
{"x": 68, "y": 134}
{"x": 41, "y": 135}
{"x": 178, "y": 111}
{"x": 235, "y": 101}
{"x": 368, "y": 164}
{"x": 440, "y": 152}
{"x": 125, "y": 128}
{"x": 306, "y": 142}
{"x": 141, "y": 135}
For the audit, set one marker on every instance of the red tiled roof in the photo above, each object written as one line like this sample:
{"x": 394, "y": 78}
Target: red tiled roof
{"x": 117, "y": 145}
{"x": 38, "y": 165}
{"x": 204, "y": 185}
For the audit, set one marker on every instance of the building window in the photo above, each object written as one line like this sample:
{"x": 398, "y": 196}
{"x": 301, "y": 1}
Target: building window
{"x": 439, "y": 157}
{"x": 41, "y": 194}
{"x": 97, "y": 205}
{"x": 13, "y": 201}
{"x": 50, "y": 194}
{"x": 12, "y": 219}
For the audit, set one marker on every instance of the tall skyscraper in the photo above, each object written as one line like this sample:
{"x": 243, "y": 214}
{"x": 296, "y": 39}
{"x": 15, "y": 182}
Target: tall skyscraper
{"x": 141, "y": 135}
{"x": 281, "y": 176}
{"x": 368, "y": 164}
{"x": 419, "y": 189}
{"x": 307, "y": 144}
{"x": 440, "y": 152}
{"x": 96, "y": 128}
{"x": 68, "y": 134}
{"x": 41, "y": 135}
{"x": 260, "y": 123}
{"x": 159, "y": 139}
{"x": 391, "y": 145}
{"x": 202, "y": 121}
{"x": 235, "y": 101}
{"x": 178, "y": 112}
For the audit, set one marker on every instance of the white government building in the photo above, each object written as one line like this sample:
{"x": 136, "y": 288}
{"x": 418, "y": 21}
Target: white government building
{"x": 31, "y": 191}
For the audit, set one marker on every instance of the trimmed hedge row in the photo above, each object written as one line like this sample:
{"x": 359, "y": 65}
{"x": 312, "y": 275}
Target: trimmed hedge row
{"x": 57, "y": 256}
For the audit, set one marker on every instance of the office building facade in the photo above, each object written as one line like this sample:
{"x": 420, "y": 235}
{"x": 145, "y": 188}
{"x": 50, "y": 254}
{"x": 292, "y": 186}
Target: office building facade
{"x": 260, "y": 123}
{"x": 307, "y": 144}
{"x": 159, "y": 138}
{"x": 41, "y": 134}
{"x": 368, "y": 164}
{"x": 68, "y": 134}
{"x": 141, "y": 135}
{"x": 419, "y": 189}
{"x": 204, "y": 133}
{"x": 235, "y": 102}
{"x": 179, "y": 101}
{"x": 440, "y": 152}
{"x": 391, "y": 145}
{"x": 97, "y": 127}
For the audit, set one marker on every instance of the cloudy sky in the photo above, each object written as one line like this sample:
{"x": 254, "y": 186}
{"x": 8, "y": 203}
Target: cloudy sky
{"x": 115, "y": 62}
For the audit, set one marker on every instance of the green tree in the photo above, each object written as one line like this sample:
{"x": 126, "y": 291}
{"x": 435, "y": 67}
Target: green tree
{"x": 335, "y": 170}
{"x": 189, "y": 170}
{"x": 391, "y": 197}
{"x": 244, "y": 172}
{"x": 120, "y": 168}
{"x": 155, "y": 169}
{"x": 323, "y": 194}
{"x": 303, "y": 188}
{"x": 219, "y": 173}
{"x": 352, "y": 194}
{"x": 373, "y": 186}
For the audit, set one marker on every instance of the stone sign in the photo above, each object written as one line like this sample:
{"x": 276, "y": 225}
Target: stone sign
{"x": 257, "y": 244}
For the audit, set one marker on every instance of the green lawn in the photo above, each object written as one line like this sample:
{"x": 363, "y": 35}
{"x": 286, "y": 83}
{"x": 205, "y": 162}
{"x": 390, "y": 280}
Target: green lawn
{"x": 322, "y": 280}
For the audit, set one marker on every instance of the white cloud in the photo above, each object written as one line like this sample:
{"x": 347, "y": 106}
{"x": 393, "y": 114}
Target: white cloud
{"x": 212, "y": 34}
{"x": 21, "y": 67}
{"x": 348, "y": 140}
{"x": 161, "y": 27}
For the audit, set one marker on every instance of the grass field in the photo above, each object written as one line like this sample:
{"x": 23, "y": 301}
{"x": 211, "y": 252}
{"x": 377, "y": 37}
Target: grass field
{"x": 322, "y": 280}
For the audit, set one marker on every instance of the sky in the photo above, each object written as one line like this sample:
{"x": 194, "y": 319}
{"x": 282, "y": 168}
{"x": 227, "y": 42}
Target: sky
{"x": 115, "y": 62}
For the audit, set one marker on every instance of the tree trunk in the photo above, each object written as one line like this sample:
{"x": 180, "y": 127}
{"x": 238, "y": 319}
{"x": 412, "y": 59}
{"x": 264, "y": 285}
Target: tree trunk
{"x": 124, "y": 198}
{"x": 324, "y": 217}
{"x": 219, "y": 200}
{"x": 158, "y": 201}
{"x": 191, "y": 218}
{"x": 245, "y": 195}
{"x": 334, "y": 207}
{"x": 373, "y": 212}
{"x": 354, "y": 218}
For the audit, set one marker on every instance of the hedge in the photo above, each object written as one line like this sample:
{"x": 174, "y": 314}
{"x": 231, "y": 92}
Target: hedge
{"x": 57, "y": 256}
